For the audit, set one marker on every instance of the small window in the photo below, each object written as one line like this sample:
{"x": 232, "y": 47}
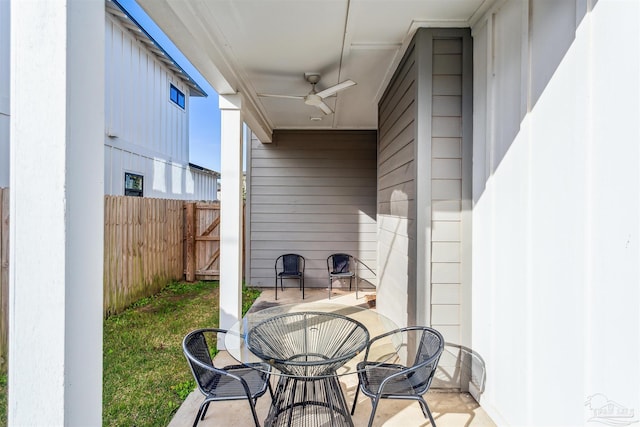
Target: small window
{"x": 176, "y": 96}
{"x": 133, "y": 184}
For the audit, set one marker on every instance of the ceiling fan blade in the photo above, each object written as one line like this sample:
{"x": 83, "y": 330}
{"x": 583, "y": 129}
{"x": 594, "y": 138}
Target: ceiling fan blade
{"x": 271, "y": 95}
{"x": 325, "y": 108}
{"x": 333, "y": 89}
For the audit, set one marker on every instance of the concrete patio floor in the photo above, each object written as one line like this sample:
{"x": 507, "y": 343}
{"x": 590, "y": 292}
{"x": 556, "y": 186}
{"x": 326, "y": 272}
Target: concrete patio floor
{"x": 449, "y": 409}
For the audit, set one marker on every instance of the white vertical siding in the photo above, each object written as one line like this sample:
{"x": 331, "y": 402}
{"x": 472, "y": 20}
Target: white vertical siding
{"x": 312, "y": 193}
{"x": 4, "y": 92}
{"x": 132, "y": 74}
{"x": 202, "y": 185}
{"x": 146, "y": 133}
{"x": 162, "y": 179}
{"x": 555, "y": 266}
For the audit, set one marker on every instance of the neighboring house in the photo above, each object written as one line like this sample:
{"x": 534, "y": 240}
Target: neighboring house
{"x": 203, "y": 183}
{"x": 147, "y": 96}
{"x": 147, "y": 117}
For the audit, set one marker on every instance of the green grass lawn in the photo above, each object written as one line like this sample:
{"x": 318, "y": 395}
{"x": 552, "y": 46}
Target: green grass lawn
{"x": 145, "y": 375}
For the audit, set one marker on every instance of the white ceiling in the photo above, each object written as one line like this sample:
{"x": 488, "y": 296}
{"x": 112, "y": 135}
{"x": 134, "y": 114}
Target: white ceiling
{"x": 266, "y": 46}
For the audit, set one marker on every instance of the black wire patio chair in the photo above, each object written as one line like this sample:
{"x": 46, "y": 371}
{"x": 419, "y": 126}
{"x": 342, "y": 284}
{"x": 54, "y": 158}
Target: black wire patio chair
{"x": 233, "y": 382}
{"x": 397, "y": 381}
{"x": 290, "y": 266}
{"x": 340, "y": 266}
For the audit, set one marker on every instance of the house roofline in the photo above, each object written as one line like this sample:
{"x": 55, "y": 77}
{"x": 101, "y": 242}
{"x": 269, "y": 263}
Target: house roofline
{"x": 153, "y": 46}
{"x": 203, "y": 169}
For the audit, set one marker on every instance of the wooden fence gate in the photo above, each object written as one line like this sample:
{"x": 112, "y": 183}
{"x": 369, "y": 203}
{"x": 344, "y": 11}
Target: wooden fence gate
{"x": 202, "y": 241}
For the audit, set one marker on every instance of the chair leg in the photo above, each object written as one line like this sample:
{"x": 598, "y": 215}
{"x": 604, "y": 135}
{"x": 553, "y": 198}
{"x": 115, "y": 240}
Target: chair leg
{"x": 355, "y": 399}
{"x": 350, "y": 280}
{"x": 204, "y": 412}
{"x": 281, "y": 286}
{"x": 302, "y": 285}
{"x": 330, "y": 283}
{"x": 253, "y": 412}
{"x": 373, "y": 410}
{"x": 270, "y": 389}
{"x": 427, "y": 412}
{"x": 200, "y": 413}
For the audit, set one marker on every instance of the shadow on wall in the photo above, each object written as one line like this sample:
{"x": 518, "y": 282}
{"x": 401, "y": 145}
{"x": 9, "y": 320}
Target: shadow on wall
{"x": 553, "y": 27}
{"x": 468, "y": 373}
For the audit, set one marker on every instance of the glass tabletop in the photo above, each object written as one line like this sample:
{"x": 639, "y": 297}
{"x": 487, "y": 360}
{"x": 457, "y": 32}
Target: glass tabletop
{"x": 335, "y": 333}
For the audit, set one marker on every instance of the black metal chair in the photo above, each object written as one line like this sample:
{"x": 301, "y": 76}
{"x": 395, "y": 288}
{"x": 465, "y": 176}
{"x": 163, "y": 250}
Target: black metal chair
{"x": 290, "y": 266}
{"x": 340, "y": 266}
{"x": 234, "y": 382}
{"x": 398, "y": 381}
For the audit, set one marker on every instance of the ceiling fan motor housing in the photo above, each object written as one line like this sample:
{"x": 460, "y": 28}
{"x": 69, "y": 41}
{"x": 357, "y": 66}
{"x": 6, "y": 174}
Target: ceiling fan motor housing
{"x": 312, "y": 99}
{"x": 312, "y": 78}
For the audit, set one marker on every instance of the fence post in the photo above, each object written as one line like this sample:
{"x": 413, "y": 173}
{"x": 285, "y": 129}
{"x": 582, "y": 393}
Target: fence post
{"x": 190, "y": 246}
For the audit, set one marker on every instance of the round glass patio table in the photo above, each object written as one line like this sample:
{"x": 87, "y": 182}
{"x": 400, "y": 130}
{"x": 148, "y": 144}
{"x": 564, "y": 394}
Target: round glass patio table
{"x": 310, "y": 345}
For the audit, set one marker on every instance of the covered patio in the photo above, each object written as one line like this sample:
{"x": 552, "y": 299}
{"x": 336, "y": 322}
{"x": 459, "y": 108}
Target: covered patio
{"x": 450, "y": 409}
{"x": 504, "y": 192}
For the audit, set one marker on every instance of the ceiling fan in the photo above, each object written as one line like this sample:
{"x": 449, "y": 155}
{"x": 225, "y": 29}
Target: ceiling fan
{"x": 315, "y": 98}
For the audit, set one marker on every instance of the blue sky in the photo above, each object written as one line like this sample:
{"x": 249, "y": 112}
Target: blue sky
{"x": 204, "y": 116}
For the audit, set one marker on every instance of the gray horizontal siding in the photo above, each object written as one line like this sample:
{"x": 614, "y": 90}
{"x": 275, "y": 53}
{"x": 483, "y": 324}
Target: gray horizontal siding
{"x": 312, "y": 193}
{"x": 340, "y": 171}
{"x": 446, "y": 198}
{"x": 397, "y": 190}
{"x": 311, "y": 209}
{"x": 421, "y": 190}
{"x": 303, "y": 218}
{"x": 317, "y": 181}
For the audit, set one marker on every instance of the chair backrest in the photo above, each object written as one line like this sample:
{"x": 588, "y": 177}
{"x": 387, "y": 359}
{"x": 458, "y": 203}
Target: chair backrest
{"x": 430, "y": 345}
{"x": 341, "y": 263}
{"x": 291, "y": 263}
{"x": 196, "y": 350}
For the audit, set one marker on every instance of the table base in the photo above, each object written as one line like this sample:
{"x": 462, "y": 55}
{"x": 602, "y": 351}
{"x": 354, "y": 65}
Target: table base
{"x": 309, "y": 402}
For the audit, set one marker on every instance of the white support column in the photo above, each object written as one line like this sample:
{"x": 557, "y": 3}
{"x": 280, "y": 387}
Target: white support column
{"x": 5, "y": 84}
{"x": 230, "y": 210}
{"x": 57, "y": 193}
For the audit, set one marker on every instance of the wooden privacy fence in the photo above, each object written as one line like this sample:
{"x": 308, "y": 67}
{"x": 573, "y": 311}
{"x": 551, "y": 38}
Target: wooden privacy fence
{"x": 143, "y": 248}
{"x": 4, "y": 274}
{"x": 144, "y": 242}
